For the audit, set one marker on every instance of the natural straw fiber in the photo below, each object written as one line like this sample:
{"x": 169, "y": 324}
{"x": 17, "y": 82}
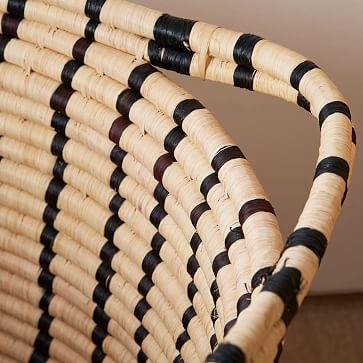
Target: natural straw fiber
{"x": 132, "y": 227}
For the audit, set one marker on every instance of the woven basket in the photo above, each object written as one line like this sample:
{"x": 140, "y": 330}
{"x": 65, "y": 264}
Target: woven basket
{"x": 132, "y": 228}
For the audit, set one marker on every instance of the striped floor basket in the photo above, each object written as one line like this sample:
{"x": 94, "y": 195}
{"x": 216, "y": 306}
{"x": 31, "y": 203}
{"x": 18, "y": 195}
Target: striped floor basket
{"x": 132, "y": 228}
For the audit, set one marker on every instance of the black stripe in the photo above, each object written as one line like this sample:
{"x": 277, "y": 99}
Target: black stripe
{"x": 303, "y": 102}
{"x": 181, "y": 340}
{"x": 178, "y": 60}
{"x": 59, "y": 122}
{"x": 116, "y": 203}
{"x": 125, "y": 101}
{"x": 117, "y": 155}
{"x": 100, "y": 295}
{"x": 243, "y": 302}
{"x": 108, "y": 251}
{"x": 354, "y": 136}
{"x": 46, "y": 300}
{"x": 68, "y": 72}
{"x": 300, "y": 70}
{"x": 59, "y": 168}
{"x": 157, "y": 215}
{"x": 42, "y": 343}
{"x": 38, "y": 357}
{"x": 197, "y": 212}
{"x": 141, "y": 357}
{"x": 98, "y": 335}
{"x": 160, "y": 194}
{"x": 111, "y": 226}
{"x": 178, "y": 359}
{"x": 48, "y": 236}
{"x": 188, "y": 315}
{"x": 145, "y": 285}
{"x": 192, "y": 266}
{"x": 243, "y": 49}
{"x": 285, "y": 284}
{"x": 220, "y": 261}
{"x": 4, "y": 40}
{"x": 45, "y": 280}
{"x": 171, "y": 31}
{"x": 227, "y": 353}
{"x": 213, "y": 341}
{"x": 192, "y": 290}
{"x": 46, "y": 257}
{"x": 310, "y": 238}
{"x": 16, "y": 8}
{"x": 195, "y": 242}
{"x": 280, "y": 349}
{"x": 150, "y": 262}
{"x": 55, "y": 187}
{"x": 80, "y": 48}
{"x": 243, "y": 77}
{"x": 214, "y": 315}
{"x": 214, "y": 290}
{"x": 98, "y": 356}
{"x": 233, "y": 236}
{"x": 139, "y": 74}
{"x": 93, "y": 8}
{"x": 160, "y": 166}
{"x": 229, "y": 326}
{"x": 116, "y": 178}
{"x": 208, "y": 183}
{"x": 225, "y": 154}
{"x": 45, "y": 322}
{"x": 253, "y": 206}
{"x": 184, "y": 108}
{"x": 157, "y": 242}
{"x": 60, "y": 98}
{"x": 90, "y": 29}
{"x": 141, "y": 308}
{"x": 260, "y": 276}
{"x": 140, "y": 334}
{"x": 101, "y": 318}
{"x": 335, "y": 165}
{"x": 58, "y": 143}
{"x": 173, "y": 138}
{"x": 50, "y": 214}
{"x": 104, "y": 274}
{"x": 331, "y": 108}
{"x": 9, "y": 25}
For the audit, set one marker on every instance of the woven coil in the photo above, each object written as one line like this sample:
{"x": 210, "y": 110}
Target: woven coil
{"x": 132, "y": 227}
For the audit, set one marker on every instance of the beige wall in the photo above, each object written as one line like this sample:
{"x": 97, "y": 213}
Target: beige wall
{"x": 280, "y": 139}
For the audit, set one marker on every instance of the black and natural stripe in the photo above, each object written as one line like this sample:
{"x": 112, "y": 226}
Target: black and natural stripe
{"x": 171, "y": 31}
{"x": 16, "y": 8}
{"x": 254, "y": 206}
{"x": 299, "y": 72}
{"x": 224, "y": 155}
{"x": 331, "y": 108}
{"x": 243, "y": 49}
{"x": 243, "y": 77}
{"x": 9, "y": 25}
{"x": 184, "y": 109}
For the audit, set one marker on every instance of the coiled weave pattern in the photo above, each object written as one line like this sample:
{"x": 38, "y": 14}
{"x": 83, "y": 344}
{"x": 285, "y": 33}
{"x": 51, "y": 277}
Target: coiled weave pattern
{"x": 132, "y": 227}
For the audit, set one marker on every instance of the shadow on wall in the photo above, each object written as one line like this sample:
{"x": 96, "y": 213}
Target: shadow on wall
{"x": 327, "y": 329}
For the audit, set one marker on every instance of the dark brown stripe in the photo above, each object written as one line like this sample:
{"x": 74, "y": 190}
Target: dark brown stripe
{"x": 116, "y": 178}
{"x": 90, "y": 29}
{"x": 117, "y": 128}
{"x": 116, "y": 203}
{"x": 227, "y": 353}
{"x": 55, "y": 187}
{"x": 192, "y": 291}
{"x": 253, "y": 206}
{"x": 181, "y": 340}
{"x": 220, "y": 261}
{"x": 233, "y": 236}
{"x": 101, "y": 318}
{"x": 59, "y": 168}
{"x": 140, "y": 334}
{"x": 98, "y": 336}
{"x": 125, "y": 100}
{"x": 104, "y": 274}
{"x": 9, "y": 25}
{"x": 98, "y": 356}
{"x": 59, "y": 122}
{"x": 142, "y": 357}
{"x": 208, "y": 183}
{"x": 188, "y": 315}
{"x": 150, "y": 262}
{"x": 160, "y": 194}
{"x": 80, "y": 48}
{"x": 173, "y": 138}
{"x": 229, "y": 326}
{"x": 197, "y": 212}
{"x": 224, "y": 155}
{"x": 157, "y": 215}
{"x": 108, "y": 251}
{"x": 303, "y": 102}
{"x": 157, "y": 242}
{"x": 4, "y": 40}
{"x": 243, "y": 302}
{"x": 60, "y": 98}
{"x": 163, "y": 162}
{"x": 113, "y": 223}
{"x": 100, "y": 295}
{"x": 141, "y": 309}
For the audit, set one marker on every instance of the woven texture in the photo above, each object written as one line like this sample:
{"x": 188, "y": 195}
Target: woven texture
{"x": 132, "y": 227}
